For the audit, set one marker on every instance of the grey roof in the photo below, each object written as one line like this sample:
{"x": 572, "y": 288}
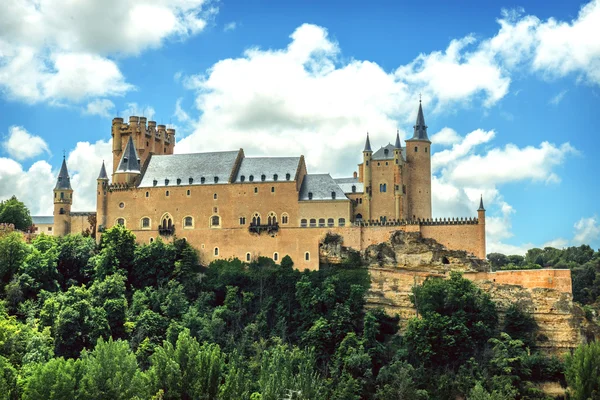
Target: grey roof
{"x": 481, "y": 204}
{"x": 130, "y": 162}
{"x": 368, "y": 144}
{"x": 397, "y": 144}
{"x": 346, "y": 185}
{"x": 321, "y": 186}
{"x": 103, "y": 172}
{"x": 42, "y": 219}
{"x": 382, "y": 155}
{"x": 256, "y": 167}
{"x": 63, "y": 181}
{"x": 420, "y": 132}
{"x": 186, "y": 166}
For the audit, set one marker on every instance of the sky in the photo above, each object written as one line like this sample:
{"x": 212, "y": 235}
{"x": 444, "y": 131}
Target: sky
{"x": 510, "y": 91}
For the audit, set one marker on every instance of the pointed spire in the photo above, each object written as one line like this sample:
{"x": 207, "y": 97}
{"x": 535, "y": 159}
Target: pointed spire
{"x": 397, "y": 144}
{"x": 367, "y": 144}
{"x": 130, "y": 161}
{"x": 481, "y": 204}
{"x": 103, "y": 172}
{"x": 63, "y": 181}
{"x": 420, "y": 132}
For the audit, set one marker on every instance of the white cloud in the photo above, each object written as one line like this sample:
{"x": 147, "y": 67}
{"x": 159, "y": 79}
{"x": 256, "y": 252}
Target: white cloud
{"x": 52, "y": 50}
{"x": 229, "y": 27}
{"x": 180, "y": 113}
{"x": 447, "y": 136}
{"x": 134, "y": 109}
{"x": 587, "y": 231}
{"x": 33, "y": 186}
{"x": 555, "y": 100}
{"x": 101, "y": 107}
{"x": 84, "y": 163}
{"x": 21, "y": 144}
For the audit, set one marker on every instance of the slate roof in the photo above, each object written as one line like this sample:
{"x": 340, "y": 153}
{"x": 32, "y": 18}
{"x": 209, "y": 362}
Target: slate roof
{"x": 420, "y": 128}
{"x": 82, "y": 213}
{"x": 130, "y": 162}
{"x": 397, "y": 145}
{"x": 256, "y": 167}
{"x": 321, "y": 186}
{"x": 346, "y": 185}
{"x": 367, "y": 144}
{"x": 102, "y": 174}
{"x": 186, "y": 166}
{"x": 42, "y": 219}
{"x": 63, "y": 181}
{"x": 381, "y": 155}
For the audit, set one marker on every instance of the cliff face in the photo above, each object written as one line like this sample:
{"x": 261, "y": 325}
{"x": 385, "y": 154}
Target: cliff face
{"x": 406, "y": 260}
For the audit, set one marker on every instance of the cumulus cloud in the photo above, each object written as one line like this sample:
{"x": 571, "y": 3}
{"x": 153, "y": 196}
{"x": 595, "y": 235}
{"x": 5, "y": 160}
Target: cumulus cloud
{"x": 134, "y": 109}
{"x": 447, "y": 136}
{"x": 229, "y": 27}
{"x": 53, "y": 50}
{"x": 101, "y": 107}
{"x": 84, "y": 163}
{"x": 33, "y": 186}
{"x": 587, "y": 231}
{"x": 22, "y": 145}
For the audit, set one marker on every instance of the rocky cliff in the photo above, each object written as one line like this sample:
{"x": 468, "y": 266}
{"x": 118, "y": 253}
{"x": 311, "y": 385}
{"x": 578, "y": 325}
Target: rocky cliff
{"x": 407, "y": 259}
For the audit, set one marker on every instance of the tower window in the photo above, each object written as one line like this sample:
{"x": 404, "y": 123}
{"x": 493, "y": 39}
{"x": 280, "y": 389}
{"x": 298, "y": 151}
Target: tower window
{"x": 367, "y": 163}
{"x": 214, "y": 196}
{"x": 61, "y": 211}
{"x": 242, "y": 220}
{"x": 416, "y": 148}
{"x": 425, "y": 149}
{"x": 383, "y": 187}
{"x": 188, "y": 222}
{"x": 121, "y": 205}
{"x": 62, "y": 195}
{"x": 215, "y": 221}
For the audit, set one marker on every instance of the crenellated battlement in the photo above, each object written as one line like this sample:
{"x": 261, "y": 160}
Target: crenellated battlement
{"x": 420, "y": 221}
{"x": 120, "y": 187}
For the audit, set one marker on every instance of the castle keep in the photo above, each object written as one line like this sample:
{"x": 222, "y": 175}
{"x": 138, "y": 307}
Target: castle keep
{"x": 229, "y": 205}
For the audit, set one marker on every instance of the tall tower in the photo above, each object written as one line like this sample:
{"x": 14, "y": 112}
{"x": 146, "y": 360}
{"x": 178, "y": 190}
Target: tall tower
{"x": 63, "y": 199}
{"x": 101, "y": 199}
{"x": 398, "y": 162}
{"x": 418, "y": 158}
{"x": 367, "y": 155}
{"x": 481, "y": 233}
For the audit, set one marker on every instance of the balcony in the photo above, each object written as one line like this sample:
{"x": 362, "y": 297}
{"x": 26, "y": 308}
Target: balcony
{"x": 166, "y": 230}
{"x": 269, "y": 229}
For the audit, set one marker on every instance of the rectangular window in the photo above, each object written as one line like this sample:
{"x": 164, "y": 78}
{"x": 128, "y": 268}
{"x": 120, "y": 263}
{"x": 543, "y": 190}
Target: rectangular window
{"x": 49, "y": 229}
{"x": 272, "y": 189}
{"x": 242, "y": 220}
{"x": 303, "y": 223}
{"x": 313, "y": 223}
{"x": 342, "y": 222}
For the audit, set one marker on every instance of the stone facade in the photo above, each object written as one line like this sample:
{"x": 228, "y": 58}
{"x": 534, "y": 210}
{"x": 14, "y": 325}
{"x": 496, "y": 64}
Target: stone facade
{"x": 229, "y": 205}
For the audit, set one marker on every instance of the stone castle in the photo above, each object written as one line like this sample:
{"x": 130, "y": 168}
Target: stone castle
{"x": 229, "y": 205}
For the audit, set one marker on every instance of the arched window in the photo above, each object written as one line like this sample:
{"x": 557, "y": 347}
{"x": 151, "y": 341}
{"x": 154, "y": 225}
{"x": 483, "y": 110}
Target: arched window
{"x": 275, "y": 256}
{"x": 121, "y": 221}
{"x": 215, "y": 196}
{"x": 321, "y": 222}
{"x": 330, "y": 222}
{"x": 145, "y": 223}
{"x": 342, "y": 222}
{"x": 151, "y": 240}
{"x": 272, "y": 218}
{"x": 416, "y": 148}
{"x": 383, "y": 187}
{"x": 216, "y": 251}
{"x": 307, "y": 256}
{"x": 284, "y": 218}
{"x": 62, "y": 195}
{"x": 215, "y": 220}
{"x": 188, "y": 222}
{"x": 166, "y": 222}
{"x": 248, "y": 256}
{"x": 147, "y": 194}
{"x": 303, "y": 223}
{"x": 358, "y": 217}
{"x": 61, "y": 211}
{"x": 313, "y": 222}
{"x": 189, "y": 192}
{"x": 167, "y": 193}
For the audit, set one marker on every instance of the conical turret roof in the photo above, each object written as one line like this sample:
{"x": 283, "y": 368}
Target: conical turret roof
{"x": 63, "y": 182}
{"x": 397, "y": 144}
{"x": 420, "y": 132}
{"x": 481, "y": 204}
{"x": 368, "y": 144}
{"x": 130, "y": 161}
{"x": 103, "y": 172}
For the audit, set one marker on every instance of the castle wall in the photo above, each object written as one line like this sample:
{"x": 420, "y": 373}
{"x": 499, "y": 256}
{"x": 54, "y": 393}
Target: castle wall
{"x": 383, "y": 204}
{"x": 80, "y": 223}
{"x": 460, "y": 237}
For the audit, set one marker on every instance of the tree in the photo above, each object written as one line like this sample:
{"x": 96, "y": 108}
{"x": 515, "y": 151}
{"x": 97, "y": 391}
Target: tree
{"x": 110, "y": 372}
{"x": 13, "y": 211}
{"x": 498, "y": 260}
{"x": 583, "y": 372}
{"x": 13, "y": 251}
{"x": 396, "y": 381}
{"x": 8, "y": 381}
{"x": 54, "y": 380}
{"x": 520, "y": 325}
{"x": 73, "y": 256}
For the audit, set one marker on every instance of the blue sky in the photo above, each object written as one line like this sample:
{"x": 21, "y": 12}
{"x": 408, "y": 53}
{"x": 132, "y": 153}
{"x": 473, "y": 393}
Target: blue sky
{"x": 510, "y": 92}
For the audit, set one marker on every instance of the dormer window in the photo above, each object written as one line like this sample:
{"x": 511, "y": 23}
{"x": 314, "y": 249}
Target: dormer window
{"x": 263, "y": 177}
{"x": 216, "y": 179}
{"x": 310, "y": 195}
{"x": 202, "y": 179}
{"x": 154, "y": 182}
{"x": 386, "y": 151}
{"x": 251, "y": 178}
{"x": 353, "y": 188}
{"x": 166, "y": 182}
{"x": 191, "y": 180}
{"x": 287, "y": 177}
{"x": 333, "y": 195}
{"x": 242, "y": 178}
{"x": 275, "y": 177}
{"x": 178, "y": 181}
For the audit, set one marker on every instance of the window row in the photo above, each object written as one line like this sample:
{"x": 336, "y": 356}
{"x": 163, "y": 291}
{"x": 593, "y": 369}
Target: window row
{"x": 321, "y": 223}
{"x": 189, "y": 193}
{"x": 263, "y": 177}
{"x": 166, "y": 222}
{"x": 271, "y": 219}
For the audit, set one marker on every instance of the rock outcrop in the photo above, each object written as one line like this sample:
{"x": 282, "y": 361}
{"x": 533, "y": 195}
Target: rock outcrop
{"x": 407, "y": 259}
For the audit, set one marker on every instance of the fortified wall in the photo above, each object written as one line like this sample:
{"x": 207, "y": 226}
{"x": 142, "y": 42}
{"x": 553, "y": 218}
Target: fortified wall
{"x": 405, "y": 259}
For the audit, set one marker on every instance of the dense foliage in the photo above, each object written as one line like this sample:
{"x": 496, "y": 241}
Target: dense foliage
{"x": 122, "y": 320}
{"x": 13, "y": 211}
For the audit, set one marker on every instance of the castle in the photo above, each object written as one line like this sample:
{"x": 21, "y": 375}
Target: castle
{"x": 229, "y": 205}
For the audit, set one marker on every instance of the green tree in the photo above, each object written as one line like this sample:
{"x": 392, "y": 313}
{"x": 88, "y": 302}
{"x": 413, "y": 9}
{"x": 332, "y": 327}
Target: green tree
{"x": 54, "y": 380}
{"x": 13, "y": 251}
{"x": 520, "y": 325}
{"x": 498, "y": 260}
{"x": 153, "y": 264}
{"x": 8, "y": 381}
{"x": 583, "y": 372}
{"x": 13, "y": 211}
{"x": 74, "y": 253}
{"x": 396, "y": 381}
{"x": 110, "y": 372}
